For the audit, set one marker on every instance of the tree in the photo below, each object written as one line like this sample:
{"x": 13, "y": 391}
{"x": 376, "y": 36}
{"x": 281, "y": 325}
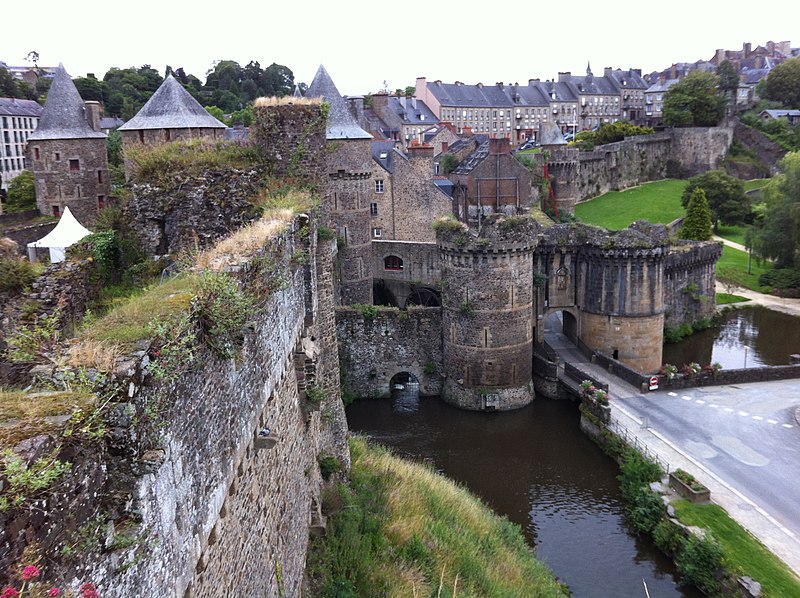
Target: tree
{"x": 728, "y": 79}
{"x": 783, "y": 84}
{"x": 779, "y": 237}
{"x": 725, "y": 195}
{"x": 697, "y": 224}
{"x": 21, "y": 193}
{"x": 694, "y": 102}
{"x": 278, "y": 80}
{"x": 90, "y": 88}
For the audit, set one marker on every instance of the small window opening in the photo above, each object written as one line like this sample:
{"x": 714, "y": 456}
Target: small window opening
{"x": 74, "y": 165}
{"x": 392, "y": 262}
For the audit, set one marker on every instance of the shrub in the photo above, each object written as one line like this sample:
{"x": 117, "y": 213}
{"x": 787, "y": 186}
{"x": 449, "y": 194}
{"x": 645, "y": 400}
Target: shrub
{"x": 698, "y": 562}
{"x": 21, "y": 193}
{"x": 636, "y": 472}
{"x": 328, "y": 465}
{"x": 16, "y": 273}
{"x": 668, "y": 537}
{"x": 781, "y": 278}
{"x": 645, "y": 511}
{"x": 221, "y": 309}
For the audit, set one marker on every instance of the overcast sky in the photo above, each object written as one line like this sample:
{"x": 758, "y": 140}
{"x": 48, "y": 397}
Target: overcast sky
{"x": 362, "y": 44}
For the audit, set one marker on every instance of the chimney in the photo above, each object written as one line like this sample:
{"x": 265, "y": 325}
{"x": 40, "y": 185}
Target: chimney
{"x": 93, "y": 114}
{"x": 498, "y": 146}
{"x": 379, "y": 102}
{"x": 565, "y": 77}
{"x": 420, "y": 151}
{"x": 608, "y": 71}
{"x": 466, "y": 131}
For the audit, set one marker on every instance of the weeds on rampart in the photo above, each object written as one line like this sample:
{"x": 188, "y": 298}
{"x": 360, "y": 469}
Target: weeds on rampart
{"x": 168, "y": 164}
{"x": 25, "y": 482}
{"x": 35, "y": 340}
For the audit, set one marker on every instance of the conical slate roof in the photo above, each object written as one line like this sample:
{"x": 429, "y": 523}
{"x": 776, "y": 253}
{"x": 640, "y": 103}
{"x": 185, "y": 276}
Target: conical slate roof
{"x": 341, "y": 124}
{"x": 64, "y": 113}
{"x": 550, "y": 134}
{"x": 172, "y": 107}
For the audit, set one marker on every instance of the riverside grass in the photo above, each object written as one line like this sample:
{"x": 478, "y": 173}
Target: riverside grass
{"x": 742, "y": 552}
{"x": 407, "y": 531}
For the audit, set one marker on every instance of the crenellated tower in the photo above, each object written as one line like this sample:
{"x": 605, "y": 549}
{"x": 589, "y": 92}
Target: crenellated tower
{"x": 488, "y": 312}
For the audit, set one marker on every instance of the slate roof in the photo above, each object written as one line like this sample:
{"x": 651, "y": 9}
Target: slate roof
{"x": 341, "y": 124}
{"x": 64, "y": 113}
{"x": 172, "y": 107}
{"x": 782, "y": 113}
{"x": 660, "y": 85}
{"x": 15, "y": 107}
{"x": 408, "y": 111}
{"x": 383, "y": 153}
{"x": 550, "y": 134}
{"x": 630, "y": 79}
{"x": 111, "y": 122}
{"x": 469, "y": 163}
{"x": 753, "y": 76}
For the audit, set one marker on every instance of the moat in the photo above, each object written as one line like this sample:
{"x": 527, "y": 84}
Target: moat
{"x": 535, "y": 466}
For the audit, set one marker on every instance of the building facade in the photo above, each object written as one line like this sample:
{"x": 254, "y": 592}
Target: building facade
{"x": 18, "y": 119}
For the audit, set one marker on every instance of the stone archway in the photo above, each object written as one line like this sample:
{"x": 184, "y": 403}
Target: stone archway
{"x": 404, "y": 390}
{"x": 562, "y": 321}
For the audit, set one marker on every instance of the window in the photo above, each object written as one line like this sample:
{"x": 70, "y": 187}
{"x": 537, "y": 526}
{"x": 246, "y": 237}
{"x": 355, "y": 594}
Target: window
{"x": 74, "y": 165}
{"x": 100, "y": 176}
{"x": 56, "y": 211}
{"x": 58, "y": 157}
{"x": 373, "y": 209}
{"x": 101, "y": 202}
{"x": 379, "y": 186}
{"x": 376, "y": 232}
{"x": 141, "y": 136}
{"x": 36, "y": 153}
{"x": 392, "y": 262}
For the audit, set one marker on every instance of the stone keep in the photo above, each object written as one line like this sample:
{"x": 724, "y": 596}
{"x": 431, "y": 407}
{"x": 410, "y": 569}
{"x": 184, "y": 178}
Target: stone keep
{"x": 487, "y": 314}
{"x": 68, "y": 154}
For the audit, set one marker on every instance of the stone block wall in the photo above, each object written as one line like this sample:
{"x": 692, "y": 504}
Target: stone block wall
{"x": 70, "y": 173}
{"x": 373, "y": 350}
{"x": 420, "y": 262}
{"x": 636, "y": 341}
{"x": 690, "y": 278}
{"x": 194, "y": 212}
{"x": 214, "y": 505}
{"x": 698, "y": 149}
{"x": 418, "y": 202}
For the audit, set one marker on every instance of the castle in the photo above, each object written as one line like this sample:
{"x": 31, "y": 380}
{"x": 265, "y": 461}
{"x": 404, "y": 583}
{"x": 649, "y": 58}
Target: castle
{"x": 220, "y": 464}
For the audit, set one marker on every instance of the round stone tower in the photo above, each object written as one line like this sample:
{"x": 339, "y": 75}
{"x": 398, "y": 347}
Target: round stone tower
{"x": 621, "y": 298}
{"x": 487, "y": 312}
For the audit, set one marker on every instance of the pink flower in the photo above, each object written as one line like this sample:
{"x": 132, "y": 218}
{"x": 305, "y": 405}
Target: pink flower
{"x": 53, "y": 592}
{"x": 9, "y": 592}
{"x": 87, "y": 591}
{"x": 29, "y": 572}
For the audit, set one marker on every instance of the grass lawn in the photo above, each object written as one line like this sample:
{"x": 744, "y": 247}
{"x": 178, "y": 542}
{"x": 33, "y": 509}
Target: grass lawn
{"x": 732, "y": 267}
{"x": 743, "y": 553}
{"x": 725, "y": 298}
{"x": 659, "y": 202}
{"x": 754, "y": 184}
{"x": 736, "y": 233}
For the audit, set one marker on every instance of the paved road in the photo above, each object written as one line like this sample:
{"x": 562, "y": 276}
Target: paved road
{"x": 742, "y": 442}
{"x": 746, "y": 435}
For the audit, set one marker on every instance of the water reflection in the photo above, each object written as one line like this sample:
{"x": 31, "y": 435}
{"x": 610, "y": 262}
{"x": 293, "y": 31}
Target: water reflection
{"x": 536, "y": 467}
{"x": 745, "y": 338}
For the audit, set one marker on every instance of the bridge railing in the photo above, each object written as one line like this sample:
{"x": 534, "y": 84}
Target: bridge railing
{"x": 631, "y": 439}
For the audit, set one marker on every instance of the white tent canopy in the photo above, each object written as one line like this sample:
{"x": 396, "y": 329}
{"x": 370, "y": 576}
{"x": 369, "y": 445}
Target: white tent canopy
{"x": 67, "y": 232}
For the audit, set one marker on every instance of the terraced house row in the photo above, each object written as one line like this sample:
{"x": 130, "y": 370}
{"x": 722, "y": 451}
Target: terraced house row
{"x": 514, "y": 111}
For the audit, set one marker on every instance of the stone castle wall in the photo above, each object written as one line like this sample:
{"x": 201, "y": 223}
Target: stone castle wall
{"x": 689, "y": 282}
{"x": 678, "y": 153}
{"x": 374, "y": 349}
{"x": 211, "y": 506}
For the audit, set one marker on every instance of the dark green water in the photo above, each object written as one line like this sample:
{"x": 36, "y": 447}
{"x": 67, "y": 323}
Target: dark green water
{"x": 535, "y": 466}
{"x": 745, "y": 338}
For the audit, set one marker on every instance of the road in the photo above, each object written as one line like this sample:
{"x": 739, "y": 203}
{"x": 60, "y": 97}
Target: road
{"x": 742, "y": 442}
{"x": 746, "y": 435}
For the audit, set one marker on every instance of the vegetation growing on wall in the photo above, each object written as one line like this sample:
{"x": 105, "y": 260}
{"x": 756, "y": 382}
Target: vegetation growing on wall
{"x": 170, "y": 164}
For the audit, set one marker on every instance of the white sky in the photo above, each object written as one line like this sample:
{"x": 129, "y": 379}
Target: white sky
{"x": 364, "y": 43}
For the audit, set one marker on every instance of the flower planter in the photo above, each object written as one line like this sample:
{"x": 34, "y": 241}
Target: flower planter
{"x": 687, "y": 492}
